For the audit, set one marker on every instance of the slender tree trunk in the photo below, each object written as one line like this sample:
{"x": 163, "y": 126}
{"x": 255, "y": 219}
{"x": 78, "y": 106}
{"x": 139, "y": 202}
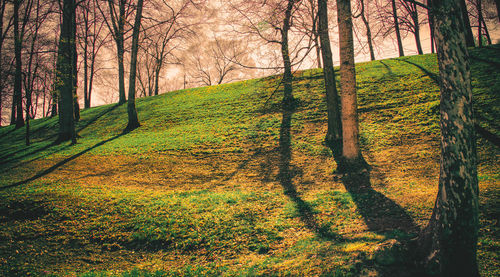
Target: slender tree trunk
{"x": 430, "y": 18}
{"x": 157, "y": 79}
{"x": 451, "y": 237}
{"x": 18, "y": 98}
{"x": 352, "y": 160}
{"x": 486, "y": 33}
{"x": 396, "y": 27}
{"x": 86, "y": 98}
{"x": 121, "y": 52}
{"x": 480, "y": 23}
{"x": 368, "y": 31}
{"x": 417, "y": 31}
{"x": 133, "y": 121}
{"x": 76, "y": 105}
{"x": 287, "y": 74}
{"x": 65, "y": 75}
{"x": 334, "y": 134}
{"x": 469, "y": 38}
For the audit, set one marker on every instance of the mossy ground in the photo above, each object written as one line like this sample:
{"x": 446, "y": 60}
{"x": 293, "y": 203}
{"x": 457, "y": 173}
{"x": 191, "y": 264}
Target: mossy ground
{"x": 202, "y": 188}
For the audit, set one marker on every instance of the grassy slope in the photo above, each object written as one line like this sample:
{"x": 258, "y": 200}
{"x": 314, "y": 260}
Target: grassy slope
{"x": 196, "y": 189}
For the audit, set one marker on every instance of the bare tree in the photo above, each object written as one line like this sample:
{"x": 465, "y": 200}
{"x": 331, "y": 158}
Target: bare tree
{"x": 364, "y": 18}
{"x": 92, "y": 39}
{"x": 4, "y": 30}
{"x": 133, "y": 120}
{"x": 396, "y": 28}
{"x": 411, "y": 22}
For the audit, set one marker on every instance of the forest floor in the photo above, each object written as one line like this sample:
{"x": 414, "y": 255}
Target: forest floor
{"x": 204, "y": 186}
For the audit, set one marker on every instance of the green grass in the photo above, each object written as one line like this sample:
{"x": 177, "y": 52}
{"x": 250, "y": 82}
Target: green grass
{"x": 196, "y": 190}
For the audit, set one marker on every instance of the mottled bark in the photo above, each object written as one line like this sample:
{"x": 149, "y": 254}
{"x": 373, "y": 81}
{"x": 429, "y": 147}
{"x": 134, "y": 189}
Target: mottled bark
{"x": 469, "y": 38}
{"x": 450, "y": 239}
{"x": 18, "y": 98}
{"x": 352, "y": 160}
{"x": 333, "y": 137}
{"x": 396, "y": 27}
{"x": 133, "y": 120}
{"x": 65, "y": 75}
{"x": 287, "y": 74}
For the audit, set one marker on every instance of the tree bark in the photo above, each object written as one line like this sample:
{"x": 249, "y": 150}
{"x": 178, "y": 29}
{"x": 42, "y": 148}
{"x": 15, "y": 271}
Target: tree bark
{"x": 480, "y": 23}
{"x": 430, "y": 18}
{"x": 76, "y": 105}
{"x": 18, "y": 98}
{"x": 287, "y": 74}
{"x": 451, "y": 236}
{"x": 469, "y": 38}
{"x": 65, "y": 75}
{"x": 396, "y": 26}
{"x": 133, "y": 121}
{"x": 497, "y": 4}
{"x": 417, "y": 30}
{"x": 352, "y": 160}
{"x": 333, "y": 137}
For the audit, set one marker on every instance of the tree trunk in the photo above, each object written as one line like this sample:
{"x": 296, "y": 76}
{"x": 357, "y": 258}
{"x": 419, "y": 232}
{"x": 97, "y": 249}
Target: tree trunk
{"x": 18, "y": 97}
{"x": 480, "y": 23}
{"x": 368, "y": 31}
{"x": 86, "y": 98}
{"x": 396, "y": 26}
{"x": 352, "y": 160}
{"x": 469, "y": 38}
{"x": 76, "y": 105}
{"x": 133, "y": 121}
{"x": 287, "y": 74}
{"x": 430, "y": 18}
{"x": 451, "y": 236}
{"x": 417, "y": 31}
{"x": 157, "y": 79}
{"x": 486, "y": 33}
{"x": 65, "y": 75}
{"x": 333, "y": 137}
{"x": 120, "y": 49}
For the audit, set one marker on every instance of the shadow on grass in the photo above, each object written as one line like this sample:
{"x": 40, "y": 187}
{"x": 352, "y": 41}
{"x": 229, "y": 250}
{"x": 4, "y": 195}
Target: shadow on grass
{"x": 380, "y": 213}
{"x": 431, "y": 75}
{"x": 16, "y": 159}
{"x": 61, "y": 163}
{"x": 286, "y": 175}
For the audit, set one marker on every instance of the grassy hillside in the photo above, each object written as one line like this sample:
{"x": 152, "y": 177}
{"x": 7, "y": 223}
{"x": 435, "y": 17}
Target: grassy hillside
{"x": 202, "y": 188}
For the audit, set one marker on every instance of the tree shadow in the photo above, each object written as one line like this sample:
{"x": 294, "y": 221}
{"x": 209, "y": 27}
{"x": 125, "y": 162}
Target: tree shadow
{"x": 431, "y": 75}
{"x": 61, "y": 163}
{"x": 286, "y": 175}
{"x": 380, "y": 213}
{"x": 18, "y": 158}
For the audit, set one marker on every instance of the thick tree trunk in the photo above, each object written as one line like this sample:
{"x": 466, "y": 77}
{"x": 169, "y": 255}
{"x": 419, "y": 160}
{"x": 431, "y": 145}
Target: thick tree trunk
{"x": 18, "y": 97}
{"x": 120, "y": 50}
{"x": 352, "y": 160}
{"x": 65, "y": 75}
{"x": 396, "y": 27}
{"x": 287, "y": 74}
{"x": 451, "y": 236}
{"x": 469, "y": 38}
{"x": 333, "y": 137}
{"x": 133, "y": 121}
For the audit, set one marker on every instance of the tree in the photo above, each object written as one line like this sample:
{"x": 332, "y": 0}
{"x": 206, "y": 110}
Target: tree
{"x": 116, "y": 25}
{"x": 469, "y": 39}
{"x": 3, "y": 71}
{"x": 411, "y": 22}
{"x": 451, "y": 236}
{"x": 65, "y": 73}
{"x": 396, "y": 27}
{"x": 271, "y": 21}
{"x": 352, "y": 160}
{"x": 133, "y": 120}
{"x": 334, "y": 133}
{"x": 367, "y": 27}
{"x": 91, "y": 42}
{"x": 18, "y": 102}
